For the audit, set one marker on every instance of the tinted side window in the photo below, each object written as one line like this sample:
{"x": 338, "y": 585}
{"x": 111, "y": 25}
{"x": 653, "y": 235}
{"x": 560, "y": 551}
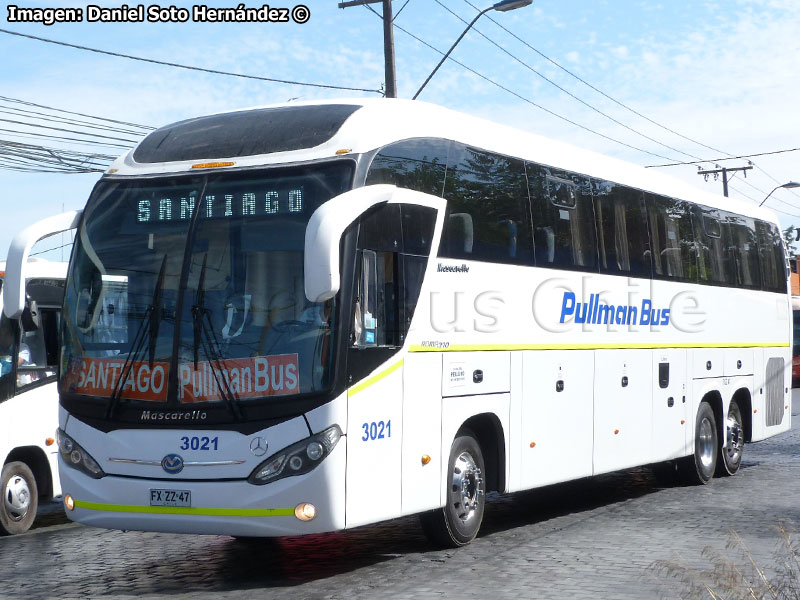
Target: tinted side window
{"x": 563, "y": 219}
{"x": 412, "y": 164}
{"x": 488, "y": 216}
{"x": 743, "y": 251}
{"x": 671, "y": 238}
{"x": 418, "y": 224}
{"x": 771, "y": 260}
{"x": 622, "y": 240}
{"x": 712, "y": 236}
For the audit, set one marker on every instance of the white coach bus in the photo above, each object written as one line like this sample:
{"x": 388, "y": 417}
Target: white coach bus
{"x": 311, "y": 317}
{"x": 32, "y": 294}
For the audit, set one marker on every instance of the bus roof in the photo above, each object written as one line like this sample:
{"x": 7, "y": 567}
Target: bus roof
{"x": 373, "y": 123}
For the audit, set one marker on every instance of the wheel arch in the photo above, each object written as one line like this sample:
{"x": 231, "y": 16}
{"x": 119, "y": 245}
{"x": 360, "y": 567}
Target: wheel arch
{"x": 714, "y": 399}
{"x": 37, "y": 462}
{"x": 490, "y": 436}
{"x": 743, "y": 398}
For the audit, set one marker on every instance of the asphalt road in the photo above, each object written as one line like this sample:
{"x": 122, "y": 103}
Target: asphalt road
{"x": 598, "y": 538}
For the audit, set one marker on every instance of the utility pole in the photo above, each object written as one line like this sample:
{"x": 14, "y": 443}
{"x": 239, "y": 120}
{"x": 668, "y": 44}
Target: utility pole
{"x": 724, "y": 171}
{"x": 388, "y": 41}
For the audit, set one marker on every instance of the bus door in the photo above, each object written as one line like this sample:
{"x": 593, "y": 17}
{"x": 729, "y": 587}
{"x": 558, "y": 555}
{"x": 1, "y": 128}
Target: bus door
{"x": 396, "y": 230}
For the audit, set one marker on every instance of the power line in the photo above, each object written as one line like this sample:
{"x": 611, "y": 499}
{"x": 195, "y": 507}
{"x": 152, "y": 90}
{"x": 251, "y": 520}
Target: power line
{"x": 17, "y": 156}
{"x": 519, "y": 96}
{"x": 61, "y": 129}
{"x": 397, "y": 14}
{"x": 599, "y": 91}
{"x": 626, "y": 107}
{"x": 729, "y": 157}
{"x": 17, "y": 133}
{"x": 562, "y": 89}
{"x": 29, "y": 114}
{"x": 188, "y": 67}
{"x": 26, "y": 103}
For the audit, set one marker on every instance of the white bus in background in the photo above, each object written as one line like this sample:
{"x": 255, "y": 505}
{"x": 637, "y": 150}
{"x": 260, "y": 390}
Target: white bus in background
{"x": 32, "y": 296}
{"x": 327, "y": 315}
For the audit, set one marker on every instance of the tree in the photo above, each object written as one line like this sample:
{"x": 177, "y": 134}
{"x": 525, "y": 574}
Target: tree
{"x": 789, "y": 236}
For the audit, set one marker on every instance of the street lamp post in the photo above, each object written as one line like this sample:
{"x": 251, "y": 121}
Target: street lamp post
{"x": 502, "y": 6}
{"x": 790, "y": 185}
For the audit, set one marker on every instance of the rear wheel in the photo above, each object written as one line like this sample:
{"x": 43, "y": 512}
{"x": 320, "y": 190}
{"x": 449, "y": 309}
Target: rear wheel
{"x": 20, "y": 498}
{"x": 458, "y": 522}
{"x": 699, "y": 467}
{"x": 730, "y": 455}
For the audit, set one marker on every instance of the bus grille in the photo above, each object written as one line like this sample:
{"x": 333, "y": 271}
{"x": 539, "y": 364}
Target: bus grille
{"x": 775, "y": 368}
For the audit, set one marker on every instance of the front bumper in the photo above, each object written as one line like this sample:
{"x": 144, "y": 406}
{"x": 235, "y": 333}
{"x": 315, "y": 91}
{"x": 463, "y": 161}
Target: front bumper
{"x": 224, "y": 507}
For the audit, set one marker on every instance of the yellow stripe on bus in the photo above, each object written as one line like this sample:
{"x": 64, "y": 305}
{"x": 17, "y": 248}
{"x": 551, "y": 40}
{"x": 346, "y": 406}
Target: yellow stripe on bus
{"x": 187, "y": 510}
{"x": 375, "y": 379}
{"x": 631, "y": 346}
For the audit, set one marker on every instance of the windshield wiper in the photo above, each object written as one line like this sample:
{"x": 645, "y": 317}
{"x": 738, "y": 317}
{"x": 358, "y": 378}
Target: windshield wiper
{"x": 204, "y": 334}
{"x": 148, "y": 326}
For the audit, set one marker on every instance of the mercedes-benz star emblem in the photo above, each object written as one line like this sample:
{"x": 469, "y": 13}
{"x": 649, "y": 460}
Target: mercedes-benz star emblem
{"x": 258, "y": 446}
{"x": 172, "y": 464}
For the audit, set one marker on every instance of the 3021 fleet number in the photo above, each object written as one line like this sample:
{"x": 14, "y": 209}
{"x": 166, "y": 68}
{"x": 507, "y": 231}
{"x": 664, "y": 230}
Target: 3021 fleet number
{"x": 376, "y": 431}
{"x": 199, "y": 443}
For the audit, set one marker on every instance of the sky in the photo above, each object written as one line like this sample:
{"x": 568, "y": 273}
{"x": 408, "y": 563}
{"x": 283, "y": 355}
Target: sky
{"x": 649, "y": 82}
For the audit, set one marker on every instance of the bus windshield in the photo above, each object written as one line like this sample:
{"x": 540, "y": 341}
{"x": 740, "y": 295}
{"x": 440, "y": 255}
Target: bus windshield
{"x": 190, "y": 289}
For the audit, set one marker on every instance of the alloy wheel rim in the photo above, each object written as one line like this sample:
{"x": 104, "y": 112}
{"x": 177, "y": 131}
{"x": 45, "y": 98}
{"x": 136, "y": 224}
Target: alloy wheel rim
{"x": 17, "y": 498}
{"x": 705, "y": 443}
{"x": 467, "y": 488}
{"x": 735, "y": 441}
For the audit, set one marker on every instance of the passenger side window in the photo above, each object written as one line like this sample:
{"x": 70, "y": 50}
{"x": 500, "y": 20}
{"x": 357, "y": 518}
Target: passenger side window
{"x": 417, "y": 164}
{"x": 771, "y": 258}
{"x": 743, "y": 251}
{"x": 563, "y": 219}
{"x": 622, "y": 243}
{"x": 671, "y": 238}
{"x": 712, "y": 235}
{"x": 488, "y": 217}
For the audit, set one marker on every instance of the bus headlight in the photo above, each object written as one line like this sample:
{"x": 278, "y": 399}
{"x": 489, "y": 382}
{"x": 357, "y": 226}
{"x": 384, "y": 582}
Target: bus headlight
{"x": 76, "y": 457}
{"x": 297, "y": 459}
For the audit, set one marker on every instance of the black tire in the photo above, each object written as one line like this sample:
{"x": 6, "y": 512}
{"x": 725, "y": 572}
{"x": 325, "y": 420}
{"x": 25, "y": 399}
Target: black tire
{"x": 730, "y": 455}
{"x": 699, "y": 467}
{"x": 458, "y": 521}
{"x": 20, "y": 498}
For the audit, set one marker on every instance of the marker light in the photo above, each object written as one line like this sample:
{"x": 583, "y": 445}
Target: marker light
{"x": 426, "y": 459}
{"x": 49, "y": 442}
{"x": 344, "y": 150}
{"x": 305, "y": 511}
{"x": 213, "y": 165}
{"x": 69, "y": 502}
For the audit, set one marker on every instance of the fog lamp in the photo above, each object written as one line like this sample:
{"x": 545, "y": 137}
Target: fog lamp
{"x": 305, "y": 511}
{"x": 69, "y": 502}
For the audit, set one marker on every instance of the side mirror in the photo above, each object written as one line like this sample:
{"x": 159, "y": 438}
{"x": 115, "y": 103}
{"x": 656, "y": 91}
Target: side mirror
{"x": 19, "y": 252}
{"x": 329, "y": 222}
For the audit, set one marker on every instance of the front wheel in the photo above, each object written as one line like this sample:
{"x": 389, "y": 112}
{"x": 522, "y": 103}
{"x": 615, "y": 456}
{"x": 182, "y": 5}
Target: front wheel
{"x": 20, "y": 498}
{"x": 458, "y": 521}
{"x": 699, "y": 467}
{"x": 730, "y": 455}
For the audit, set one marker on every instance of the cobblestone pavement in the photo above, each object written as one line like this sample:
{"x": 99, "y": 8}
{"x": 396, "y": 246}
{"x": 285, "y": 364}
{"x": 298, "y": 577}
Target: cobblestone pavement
{"x": 594, "y": 538}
